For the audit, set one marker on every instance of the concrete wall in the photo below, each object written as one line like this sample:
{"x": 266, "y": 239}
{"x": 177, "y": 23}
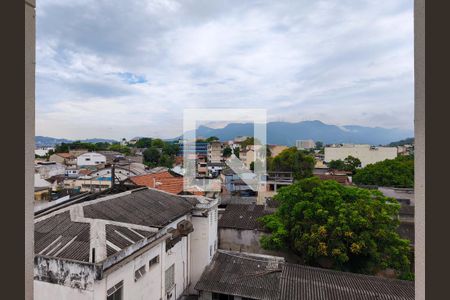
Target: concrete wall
{"x": 149, "y": 286}
{"x": 30, "y": 63}
{"x": 419, "y": 151}
{"x": 47, "y": 171}
{"x": 56, "y": 158}
{"x": 241, "y": 240}
{"x": 64, "y": 282}
{"x": 365, "y": 154}
{"x": 91, "y": 159}
{"x": 202, "y": 240}
{"x": 44, "y": 291}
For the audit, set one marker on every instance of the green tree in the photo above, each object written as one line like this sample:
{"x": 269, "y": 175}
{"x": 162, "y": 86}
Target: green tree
{"x": 143, "y": 143}
{"x": 101, "y": 146}
{"x": 227, "y": 151}
{"x": 166, "y": 161}
{"x": 237, "y": 151}
{"x": 319, "y": 145}
{"x": 339, "y": 227}
{"x": 292, "y": 160}
{"x": 212, "y": 138}
{"x": 171, "y": 149}
{"x": 120, "y": 148}
{"x": 350, "y": 164}
{"x": 152, "y": 156}
{"x": 337, "y": 164}
{"x": 398, "y": 172}
{"x": 157, "y": 143}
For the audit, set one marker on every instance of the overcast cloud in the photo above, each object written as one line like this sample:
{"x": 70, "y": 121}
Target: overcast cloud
{"x": 116, "y": 69}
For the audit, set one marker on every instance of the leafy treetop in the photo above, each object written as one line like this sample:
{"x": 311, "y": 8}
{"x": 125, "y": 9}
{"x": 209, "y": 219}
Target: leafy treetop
{"x": 398, "y": 172}
{"x": 339, "y": 227}
{"x": 292, "y": 160}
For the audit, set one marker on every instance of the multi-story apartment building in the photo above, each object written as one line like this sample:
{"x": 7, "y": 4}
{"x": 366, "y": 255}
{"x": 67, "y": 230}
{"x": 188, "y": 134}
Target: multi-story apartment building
{"x": 139, "y": 244}
{"x": 365, "y": 153}
{"x": 215, "y": 149}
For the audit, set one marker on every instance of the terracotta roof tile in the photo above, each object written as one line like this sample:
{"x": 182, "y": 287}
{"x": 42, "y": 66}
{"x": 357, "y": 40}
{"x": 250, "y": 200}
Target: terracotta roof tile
{"x": 162, "y": 181}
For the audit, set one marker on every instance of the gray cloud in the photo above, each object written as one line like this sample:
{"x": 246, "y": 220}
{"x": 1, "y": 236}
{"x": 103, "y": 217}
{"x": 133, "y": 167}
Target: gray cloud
{"x": 343, "y": 62}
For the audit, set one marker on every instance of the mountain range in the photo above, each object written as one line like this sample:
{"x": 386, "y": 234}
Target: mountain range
{"x": 284, "y": 133}
{"x": 45, "y": 141}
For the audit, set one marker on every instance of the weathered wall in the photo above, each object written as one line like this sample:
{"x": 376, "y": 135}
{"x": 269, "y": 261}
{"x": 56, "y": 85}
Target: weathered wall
{"x": 44, "y": 291}
{"x": 241, "y": 240}
{"x": 365, "y": 154}
{"x": 148, "y": 286}
{"x": 65, "y": 273}
{"x": 202, "y": 240}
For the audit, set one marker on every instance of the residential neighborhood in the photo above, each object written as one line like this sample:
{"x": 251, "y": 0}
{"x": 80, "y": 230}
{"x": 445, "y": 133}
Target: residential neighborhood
{"x": 226, "y": 150}
{"x": 108, "y": 227}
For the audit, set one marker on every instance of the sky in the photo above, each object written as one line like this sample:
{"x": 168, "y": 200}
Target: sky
{"x": 115, "y": 69}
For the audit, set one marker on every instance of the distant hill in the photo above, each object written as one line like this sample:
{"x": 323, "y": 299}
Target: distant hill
{"x": 284, "y": 133}
{"x": 408, "y": 141}
{"x": 45, "y": 141}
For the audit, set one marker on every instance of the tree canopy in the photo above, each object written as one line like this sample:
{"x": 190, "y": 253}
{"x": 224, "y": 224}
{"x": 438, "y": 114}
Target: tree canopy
{"x": 348, "y": 164}
{"x": 339, "y": 227}
{"x": 237, "y": 151}
{"x": 160, "y": 153}
{"x": 143, "y": 143}
{"x": 408, "y": 141}
{"x": 212, "y": 138}
{"x": 292, "y": 160}
{"x": 100, "y": 146}
{"x": 398, "y": 172}
{"x": 227, "y": 151}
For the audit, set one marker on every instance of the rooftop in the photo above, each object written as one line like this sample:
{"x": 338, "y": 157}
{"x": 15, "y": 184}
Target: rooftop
{"x": 300, "y": 282}
{"x": 164, "y": 181}
{"x": 124, "y": 219}
{"x": 234, "y": 273}
{"x": 243, "y": 216}
{"x": 269, "y": 277}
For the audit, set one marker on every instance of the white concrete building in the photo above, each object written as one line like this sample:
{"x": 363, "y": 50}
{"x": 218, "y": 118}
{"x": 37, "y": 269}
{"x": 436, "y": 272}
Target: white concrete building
{"x": 139, "y": 244}
{"x": 215, "y": 149}
{"x": 367, "y": 154}
{"x": 91, "y": 159}
{"x": 49, "y": 169}
{"x": 305, "y": 144}
{"x": 43, "y": 151}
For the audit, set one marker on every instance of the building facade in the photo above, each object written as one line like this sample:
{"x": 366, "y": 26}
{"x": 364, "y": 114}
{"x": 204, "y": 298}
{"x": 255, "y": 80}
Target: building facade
{"x": 215, "y": 150}
{"x": 157, "y": 249}
{"x": 305, "y": 144}
{"x": 91, "y": 159}
{"x": 365, "y": 153}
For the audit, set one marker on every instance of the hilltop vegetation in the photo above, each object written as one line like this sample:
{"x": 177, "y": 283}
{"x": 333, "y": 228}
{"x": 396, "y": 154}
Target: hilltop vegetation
{"x": 408, "y": 141}
{"x": 398, "y": 172}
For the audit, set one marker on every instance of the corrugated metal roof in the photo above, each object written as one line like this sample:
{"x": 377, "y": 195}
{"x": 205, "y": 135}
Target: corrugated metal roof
{"x": 59, "y": 236}
{"x": 146, "y": 207}
{"x": 243, "y": 216}
{"x": 237, "y": 275}
{"x": 307, "y": 283}
{"x": 265, "y": 277}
